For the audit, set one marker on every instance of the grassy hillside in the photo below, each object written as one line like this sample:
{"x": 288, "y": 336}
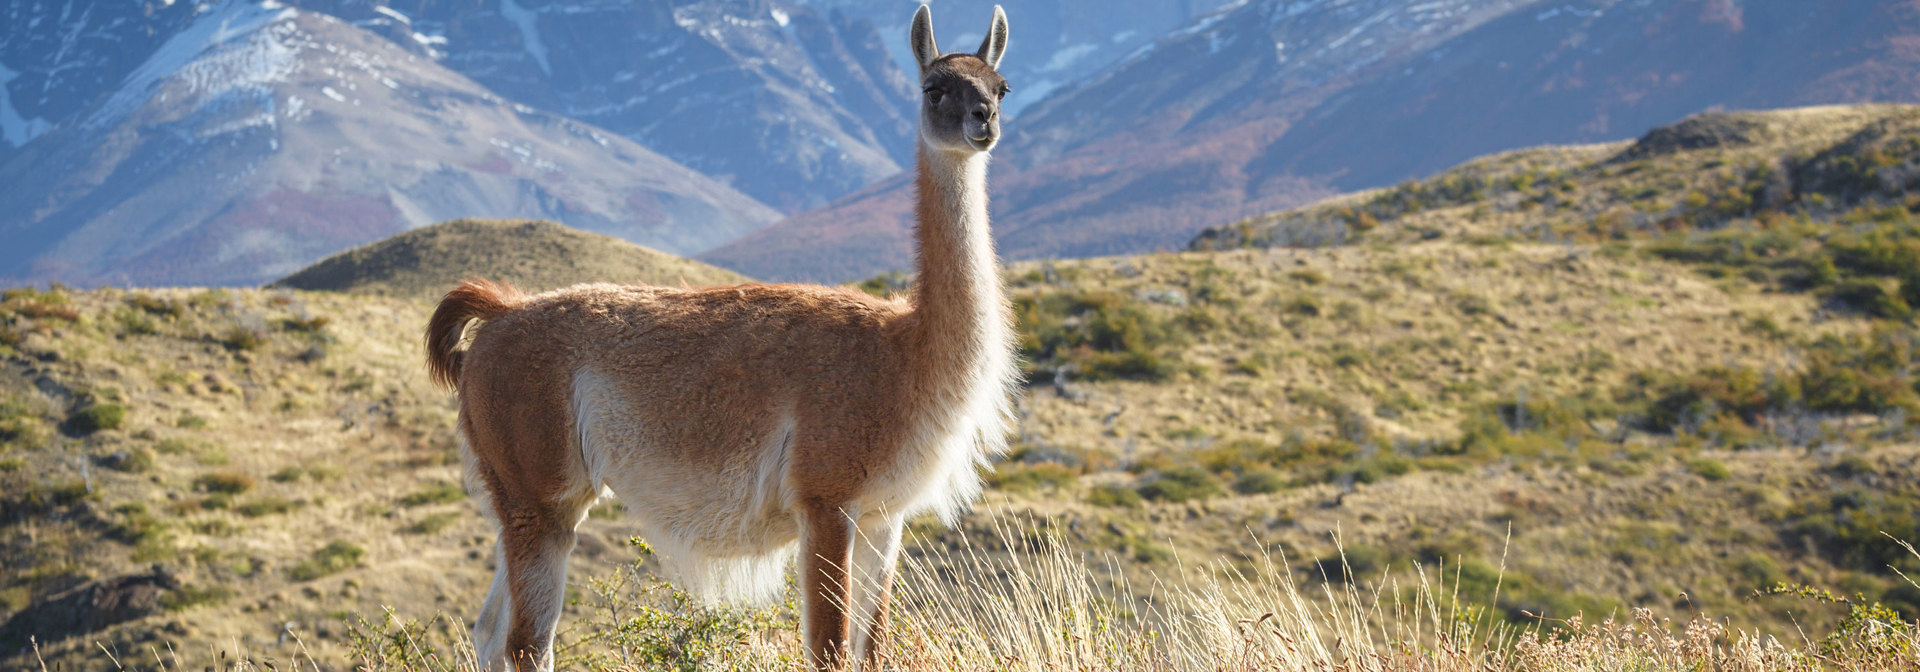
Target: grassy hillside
{"x": 1575, "y": 426}
{"x": 531, "y": 255}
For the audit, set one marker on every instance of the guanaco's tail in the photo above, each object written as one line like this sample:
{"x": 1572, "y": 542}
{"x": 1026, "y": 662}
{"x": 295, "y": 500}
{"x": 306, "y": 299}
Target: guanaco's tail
{"x": 472, "y": 300}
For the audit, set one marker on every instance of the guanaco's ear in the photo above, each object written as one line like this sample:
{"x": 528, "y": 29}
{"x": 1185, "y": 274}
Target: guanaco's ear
{"x": 995, "y": 46}
{"x": 924, "y": 49}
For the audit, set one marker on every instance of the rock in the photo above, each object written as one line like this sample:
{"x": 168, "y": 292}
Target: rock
{"x": 92, "y": 606}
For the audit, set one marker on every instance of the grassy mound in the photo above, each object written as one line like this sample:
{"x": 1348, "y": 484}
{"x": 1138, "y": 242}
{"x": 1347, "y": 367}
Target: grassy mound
{"x": 532, "y": 255}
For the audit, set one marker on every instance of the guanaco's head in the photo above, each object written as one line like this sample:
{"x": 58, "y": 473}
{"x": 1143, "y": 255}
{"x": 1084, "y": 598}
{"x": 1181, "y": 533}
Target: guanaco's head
{"x": 960, "y": 92}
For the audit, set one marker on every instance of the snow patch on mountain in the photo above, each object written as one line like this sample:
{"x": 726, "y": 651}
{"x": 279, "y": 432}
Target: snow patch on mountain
{"x": 15, "y": 129}
{"x": 203, "y": 56}
{"x": 524, "y": 20}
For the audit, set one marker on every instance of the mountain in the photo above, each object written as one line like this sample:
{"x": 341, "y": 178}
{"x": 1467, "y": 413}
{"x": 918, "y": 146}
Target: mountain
{"x": 1269, "y": 103}
{"x": 1058, "y": 41}
{"x": 1592, "y": 71}
{"x": 790, "y": 105}
{"x": 259, "y": 138}
{"x": 534, "y": 256}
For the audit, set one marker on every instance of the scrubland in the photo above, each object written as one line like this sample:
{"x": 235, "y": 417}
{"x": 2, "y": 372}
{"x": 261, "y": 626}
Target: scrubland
{"x": 1636, "y": 406}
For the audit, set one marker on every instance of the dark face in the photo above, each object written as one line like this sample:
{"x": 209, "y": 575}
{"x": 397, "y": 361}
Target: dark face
{"x": 960, "y": 104}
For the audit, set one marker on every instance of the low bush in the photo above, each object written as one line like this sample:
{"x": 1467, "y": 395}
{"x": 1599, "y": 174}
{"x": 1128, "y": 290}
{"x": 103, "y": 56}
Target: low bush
{"x": 1709, "y": 468}
{"x": 97, "y": 417}
{"x": 1102, "y": 335}
{"x": 242, "y": 338}
{"x": 156, "y": 306}
{"x": 1260, "y": 482}
{"x": 1113, "y": 495}
{"x": 1869, "y": 297}
{"x": 1852, "y": 528}
{"x": 335, "y": 557}
{"x": 1181, "y": 484}
{"x": 266, "y": 506}
{"x": 441, "y": 492}
{"x": 434, "y": 523}
{"x": 223, "y": 483}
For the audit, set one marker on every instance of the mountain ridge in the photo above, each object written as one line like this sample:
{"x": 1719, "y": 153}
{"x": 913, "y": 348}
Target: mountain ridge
{"x": 260, "y": 139}
{"x": 1273, "y": 104}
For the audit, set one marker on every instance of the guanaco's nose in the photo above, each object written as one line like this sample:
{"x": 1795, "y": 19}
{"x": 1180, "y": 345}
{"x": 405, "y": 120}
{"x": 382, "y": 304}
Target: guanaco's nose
{"x": 984, "y": 113}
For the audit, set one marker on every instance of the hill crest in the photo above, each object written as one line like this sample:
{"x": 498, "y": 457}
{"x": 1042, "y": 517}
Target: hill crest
{"x": 535, "y": 255}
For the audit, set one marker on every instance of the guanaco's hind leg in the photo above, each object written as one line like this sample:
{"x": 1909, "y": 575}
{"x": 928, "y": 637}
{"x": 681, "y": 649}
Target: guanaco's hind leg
{"x": 536, "y": 544}
{"x": 490, "y": 628}
{"x": 826, "y": 553}
{"x": 875, "y": 555}
{"x": 538, "y": 498}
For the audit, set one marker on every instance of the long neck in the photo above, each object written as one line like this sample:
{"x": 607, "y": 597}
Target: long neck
{"x": 961, "y": 312}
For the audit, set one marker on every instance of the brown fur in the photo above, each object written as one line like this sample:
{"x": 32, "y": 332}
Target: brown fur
{"x": 473, "y": 299}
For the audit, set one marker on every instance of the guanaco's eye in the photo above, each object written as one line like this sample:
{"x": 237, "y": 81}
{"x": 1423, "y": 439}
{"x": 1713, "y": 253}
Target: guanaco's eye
{"x": 934, "y": 96}
{"x": 1004, "y": 90}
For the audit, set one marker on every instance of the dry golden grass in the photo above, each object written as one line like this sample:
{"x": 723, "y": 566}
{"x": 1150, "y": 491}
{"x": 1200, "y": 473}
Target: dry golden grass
{"x": 1050, "y": 606}
{"x": 323, "y": 408}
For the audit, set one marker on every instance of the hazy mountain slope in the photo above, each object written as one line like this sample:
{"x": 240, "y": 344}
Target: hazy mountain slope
{"x": 858, "y": 236}
{"x": 1270, "y": 104}
{"x": 783, "y": 102}
{"x": 1060, "y": 41}
{"x": 57, "y": 58}
{"x": 533, "y": 256}
{"x": 1140, "y": 156}
{"x": 1588, "y": 71}
{"x": 255, "y": 141}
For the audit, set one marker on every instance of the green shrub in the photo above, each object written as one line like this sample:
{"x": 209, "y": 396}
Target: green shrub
{"x": 1910, "y": 288}
{"x": 1352, "y": 563}
{"x": 28, "y": 302}
{"x": 135, "y": 525}
{"x": 1113, "y": 495}
{"x": 38, "y": 499}
{"x": 266, "y": 506}
{"x": 223, "y": 483}
{"x": 1260, "y": 482}
{"x": 23, "y": 431}
{"x": 242, "y": 338}
{"x": 156, "y": 306}
{"x": 1181, "y": 484}
{"x": 1848, "y": 527}
{"x": 137, "y": 460}
{"x": 1472, "y": 304}
{"x": 1758, "y": 570}
{"x": 440, "y": 492}
{"x": 136, "y": 323}
{"x": 1709, "y": 468}
{"x": 434, "y": 523}
{"x": 1103, "y": 335}
{"x": 309, "y": 325}
{"x": 97, "y": 417}
{"x": 335, "y": 557}
{"x": 1870, "y": 298}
